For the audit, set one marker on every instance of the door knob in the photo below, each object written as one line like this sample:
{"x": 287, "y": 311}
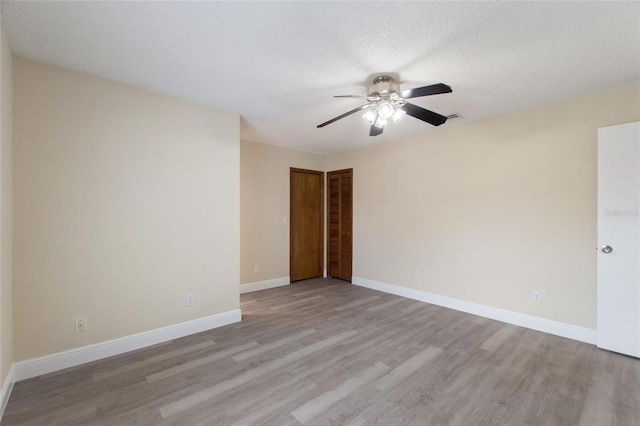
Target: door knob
{"x": 606, "y": 249}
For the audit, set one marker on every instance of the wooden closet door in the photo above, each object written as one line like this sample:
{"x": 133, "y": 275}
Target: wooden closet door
{"x": 339, "y": 229}
{"x": 307, "y": 224}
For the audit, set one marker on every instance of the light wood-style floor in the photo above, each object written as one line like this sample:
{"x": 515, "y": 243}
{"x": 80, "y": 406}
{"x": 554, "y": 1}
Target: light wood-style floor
{"x": 324, "y": 352}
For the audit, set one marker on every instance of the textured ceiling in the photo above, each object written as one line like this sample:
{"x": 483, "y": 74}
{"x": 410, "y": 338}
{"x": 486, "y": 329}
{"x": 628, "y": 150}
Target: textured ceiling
{"x": 278, "y": 64}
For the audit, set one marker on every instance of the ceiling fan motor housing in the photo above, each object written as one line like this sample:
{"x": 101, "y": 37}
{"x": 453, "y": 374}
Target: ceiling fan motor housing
{"x": 383, "y": 86}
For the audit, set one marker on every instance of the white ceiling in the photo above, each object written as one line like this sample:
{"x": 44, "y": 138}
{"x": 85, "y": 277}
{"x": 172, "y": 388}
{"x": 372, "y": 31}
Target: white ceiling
{"x": 278, "y": 64}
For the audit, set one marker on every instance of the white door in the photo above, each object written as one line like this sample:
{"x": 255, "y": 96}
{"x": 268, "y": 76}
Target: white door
{"x": 619, "y": 238}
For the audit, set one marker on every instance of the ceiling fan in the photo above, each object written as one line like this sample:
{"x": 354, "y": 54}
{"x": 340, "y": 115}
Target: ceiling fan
{"x": 386, "y": 101}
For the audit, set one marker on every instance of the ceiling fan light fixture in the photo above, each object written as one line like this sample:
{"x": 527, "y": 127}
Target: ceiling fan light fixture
{"x": 370, "y": 116}
{"x": 385, "y": 109}
{"x": 381, "y": 112}
{"x": 397, "y": 115}
{"x": 381, "y": 123}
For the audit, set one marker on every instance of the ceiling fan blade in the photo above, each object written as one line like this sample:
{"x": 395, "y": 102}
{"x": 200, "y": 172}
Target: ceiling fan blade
{"x": 375, "y": 131}
{"x": 346, "y": 114}
{"x": 434, "y": 89}
{"x": 369, "y": 98}
{"x": 423, "y": 114}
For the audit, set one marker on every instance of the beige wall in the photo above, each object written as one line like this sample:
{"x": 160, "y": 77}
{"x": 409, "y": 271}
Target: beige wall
{"x": 490, "y": 211}
{"x": 125, "y": 201}
{"x": 264, "y": 202}
{"x": 6, "y": 210}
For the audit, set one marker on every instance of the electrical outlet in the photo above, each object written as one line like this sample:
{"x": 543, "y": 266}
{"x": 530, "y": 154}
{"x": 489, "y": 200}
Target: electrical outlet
{"x": 81, "y": 324}
{"x": 256, "y": 269}
{"x": 190, "y": 299}
{"x": 535, "y": 297}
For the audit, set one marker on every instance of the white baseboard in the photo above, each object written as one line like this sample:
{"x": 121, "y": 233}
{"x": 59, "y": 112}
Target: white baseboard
{"x": 540, "y": 324}
{"x": 58, "y": 361}
{"x": 5, "y": 391}
{"x": 264, "y": 285}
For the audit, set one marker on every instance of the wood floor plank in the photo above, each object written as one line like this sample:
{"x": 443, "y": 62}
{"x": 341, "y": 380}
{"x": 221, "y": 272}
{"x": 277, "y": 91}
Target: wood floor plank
{"x": 199, "y": 397}
{"x": 316, "y": 291}
{"x": 499, "y": 338}
{"x": 321, "y": 403}
{"x": 295, "y": 303}
{"x": 385, "y": 305}
{"x": 408, "y": 368}
{"x": 257, "y": 416}
{"x": 413, "y": 307}
{"x": 151, "y": 360}
{"x": 357, "y": 303}
{"x": 280, "y": 391}
{"x": 69, "y": 415}
{"x": 242, "y": 356}
{"x": 375, "y": 415}
{"x": 180, "y": 369}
